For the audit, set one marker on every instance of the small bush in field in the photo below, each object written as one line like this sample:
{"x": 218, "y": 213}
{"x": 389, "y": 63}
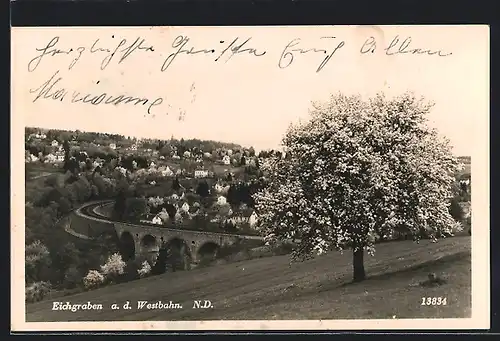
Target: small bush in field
{"x": 93, "y": 280}
{"x": 37, "y": 291}
{"x": 114, "y": 267}
{"x": 145, "y": 270}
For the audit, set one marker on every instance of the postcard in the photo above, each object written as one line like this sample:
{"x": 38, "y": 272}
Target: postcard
{"x": 250, "y": 178}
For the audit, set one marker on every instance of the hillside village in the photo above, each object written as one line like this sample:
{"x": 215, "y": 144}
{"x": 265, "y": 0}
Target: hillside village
{"x": 181, "y": 184}
{"x": 190, "y": 184}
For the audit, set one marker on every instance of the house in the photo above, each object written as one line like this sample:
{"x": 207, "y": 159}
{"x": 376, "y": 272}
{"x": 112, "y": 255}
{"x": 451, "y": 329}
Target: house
{"x": 236, "y": 219}
{"x": 200, "y": 173}
{"x": 55, "y": 143}
{"x": 133, "y": 147}
{"x": 185, "y": 207}
{"x": 226, "y": 160}
{"x": 163, "y": 215}
{"x": 157, "y": 220}
{"x": 221, "y": 200}
{"x": 166, "y": 171}
{"x": 218, "y": 188}
{"x": 246, "y": 216}
{"x": 59, "y": 156}
{"x": 50, "y": 158}
{"x": 112, "y": 146}
{"x": 252, "y": 220}
{"x": 174, "y": 197}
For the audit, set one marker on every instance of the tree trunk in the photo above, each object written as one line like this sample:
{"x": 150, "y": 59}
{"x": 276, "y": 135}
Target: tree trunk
{"x": 358, "y": 265}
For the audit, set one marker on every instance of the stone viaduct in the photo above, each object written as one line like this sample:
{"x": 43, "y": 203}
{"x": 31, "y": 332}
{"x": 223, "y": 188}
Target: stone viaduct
{"x": 147, "y": 240}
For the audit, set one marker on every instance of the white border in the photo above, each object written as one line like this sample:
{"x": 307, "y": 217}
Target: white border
{"x": 480, "y": 261}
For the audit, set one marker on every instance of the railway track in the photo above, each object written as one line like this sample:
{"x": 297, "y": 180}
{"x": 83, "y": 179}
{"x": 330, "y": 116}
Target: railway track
{"x": 88, "y": 211}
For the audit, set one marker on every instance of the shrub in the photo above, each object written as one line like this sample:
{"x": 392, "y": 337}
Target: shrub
{"x": 93, "y": 279}
{"x": 37, "y": 257}
{"x": 37, "y": 291}
{"x": 145, "y": 270}
{"x": 114, "y": 267}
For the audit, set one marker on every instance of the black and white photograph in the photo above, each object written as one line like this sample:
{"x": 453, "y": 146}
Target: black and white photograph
{"x": 250, "y": 178}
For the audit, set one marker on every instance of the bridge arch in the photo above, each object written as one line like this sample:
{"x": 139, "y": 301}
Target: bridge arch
{"x": 127, "y": 246}
{"x": 174, "y": 254}
{"x": 207, "y": 252}
{"x": 150, "y": 248}
{"x": 148, "y": 241}
{"x": 180, "y": 247}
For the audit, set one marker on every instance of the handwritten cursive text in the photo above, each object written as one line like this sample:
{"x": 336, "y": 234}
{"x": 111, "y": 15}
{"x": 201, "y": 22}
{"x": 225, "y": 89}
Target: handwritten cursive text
{"x": 179, "y": 43}
{"x": 403, "y": 47}
{"x": 287, "y": 56}
{"x": 124, "y": 48}
{"x": 47, "y": 50}
{"x": 52, "y": 90}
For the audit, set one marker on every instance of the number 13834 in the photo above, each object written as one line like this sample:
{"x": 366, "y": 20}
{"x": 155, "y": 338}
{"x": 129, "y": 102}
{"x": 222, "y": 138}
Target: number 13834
{"x": 433, "y": 301}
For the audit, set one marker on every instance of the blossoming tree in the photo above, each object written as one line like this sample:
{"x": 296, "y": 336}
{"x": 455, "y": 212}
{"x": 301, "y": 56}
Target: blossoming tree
{"x": 356, "y": 172}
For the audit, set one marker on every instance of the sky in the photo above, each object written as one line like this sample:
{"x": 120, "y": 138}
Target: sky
{"x": 247, "y": 99}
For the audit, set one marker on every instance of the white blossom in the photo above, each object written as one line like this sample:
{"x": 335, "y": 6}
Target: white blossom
{"x": 93, "y": 279}
{"x": 114, "y": 265}
{"x": 144, "y": 270}
{"x": 357, "y": 170}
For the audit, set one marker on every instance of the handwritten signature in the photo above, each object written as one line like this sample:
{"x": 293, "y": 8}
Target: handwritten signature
{"x": 398, "y": 46}
{"x": 124, "y": 48}
{"x": 48, "y": 91}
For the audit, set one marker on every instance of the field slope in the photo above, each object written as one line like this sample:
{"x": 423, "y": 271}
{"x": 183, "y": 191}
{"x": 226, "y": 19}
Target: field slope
{"x": 268, "y": 288}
